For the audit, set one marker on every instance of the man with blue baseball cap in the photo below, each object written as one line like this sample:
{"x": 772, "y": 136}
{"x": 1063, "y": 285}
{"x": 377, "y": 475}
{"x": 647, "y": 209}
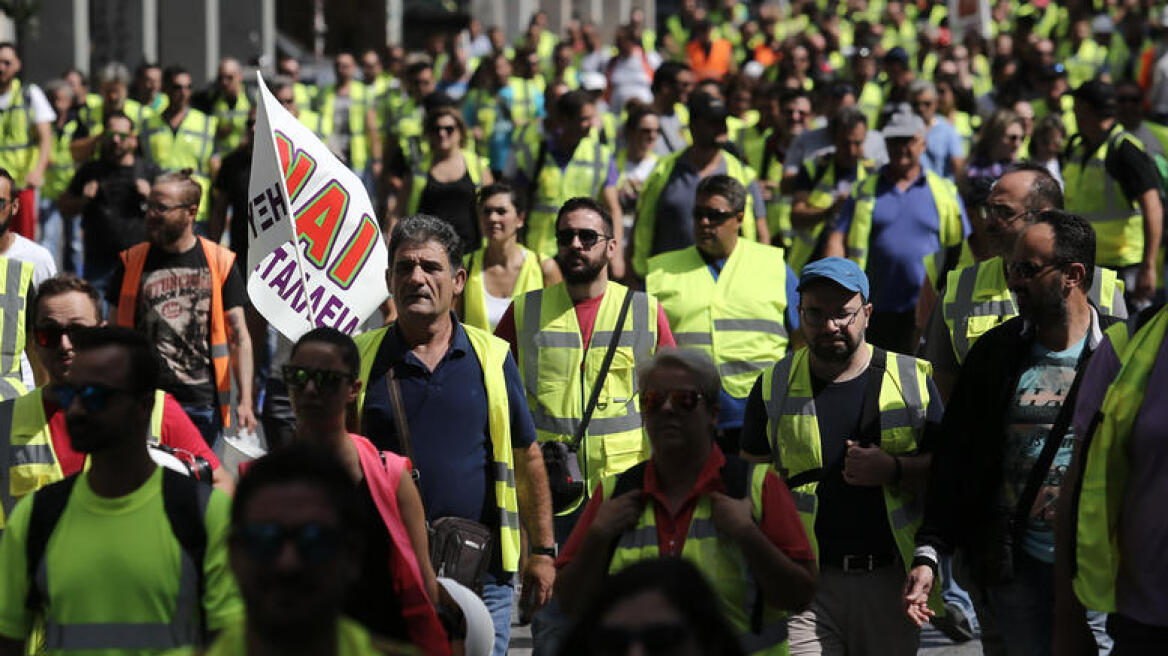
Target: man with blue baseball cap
{"x": 857, "y": 470}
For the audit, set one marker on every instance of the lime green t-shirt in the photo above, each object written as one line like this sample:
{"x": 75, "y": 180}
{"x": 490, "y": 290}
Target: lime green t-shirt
{"x": 352, "y": 640}
{"x": 114, "y": 561}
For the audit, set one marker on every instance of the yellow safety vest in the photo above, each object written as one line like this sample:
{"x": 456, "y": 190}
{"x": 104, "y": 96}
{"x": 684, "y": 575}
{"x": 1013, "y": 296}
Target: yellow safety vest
{"x": 492, "y": 354}
{"x": 312, "y": 121}
{"x": 191, "y": 146}
{"x": 304, "y": 95}
{"x": 938, "y": 264}
{"x": 978, "y": 298}
{"x": 236, "y": 116}
{"x": 723, "y": 565}
{"x": 473, "y": 295}
{"x": 735, "y": 320}
{"x": 1093, "y": 194}
{"x": 944, "y": 192}
{"x": 358, "y": 139}
{"x": 93, "y": 116}
{"x": 523, "y": 93}
{"x": 871, "y": 102}
{"x": 15, "y": 280}
{"x": 645, "y": 226}
{"x": 28, "y": 460}
{"x": 18, "y": 136}
{"x": 558, "y": 373}
{"x": 584, "y": 175}
{"x": 1105, "y": 469}
{"x": 793, "y": 431}
{"x": 61, "y": 166}
{"x": 483, "y": 107}
{"x": 475, "y": 166}
{"x": 821, "y": 170}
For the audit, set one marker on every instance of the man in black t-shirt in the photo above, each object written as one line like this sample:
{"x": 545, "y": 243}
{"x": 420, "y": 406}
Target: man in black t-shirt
{"x": 185, "y": 295}
{"x": 111, "y": 195}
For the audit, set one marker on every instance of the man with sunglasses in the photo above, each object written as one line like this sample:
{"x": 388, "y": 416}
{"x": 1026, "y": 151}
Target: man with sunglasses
{"x": 996, "y": 477}
{"x": 849, "y": 428}
{"x": 712, "y": 295}
{"x": 131, "y": 556}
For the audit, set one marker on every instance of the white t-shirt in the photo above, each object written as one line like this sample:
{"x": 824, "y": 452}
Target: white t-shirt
{"x": 26, "y": 250}
{"x": 42, "y": 111}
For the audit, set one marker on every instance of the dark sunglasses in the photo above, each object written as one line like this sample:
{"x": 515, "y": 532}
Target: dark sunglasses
{"x": 1027, "y": 270}
{"x": 50, "y": 334}
{"x": 679, "y": 399}
{"x": 655, "y": 639}
{"x": 717, "y": 217}
{"x": 445, "y": 129}
{"x": 326, "y": 380}
{"x": 94, "y": 397}
{"x": 588, "y": 237}
{"x": 263, "y": 541}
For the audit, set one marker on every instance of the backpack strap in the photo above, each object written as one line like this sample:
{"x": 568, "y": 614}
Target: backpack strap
{"x": 185, "y": 501}
{"x": 736, "y": 477}
{"x": 631, "y": 479}
{"x": 48, "y": 504}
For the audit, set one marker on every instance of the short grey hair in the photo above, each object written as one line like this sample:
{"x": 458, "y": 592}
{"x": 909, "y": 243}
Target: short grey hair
{"x": 113, "y": 72}
{"x": 55, "y": 86}
{"x": 917, "y": 87}
{"x": 276, "y": 83}
{"x": 697, "y": 363}
{"x": 422, "y": 228}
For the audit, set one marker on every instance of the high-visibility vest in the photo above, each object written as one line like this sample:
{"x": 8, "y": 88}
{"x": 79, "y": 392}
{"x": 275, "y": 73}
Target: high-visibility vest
{"x": 871, "y": 102}
{"x": 558, "y": 373}
{"x": 769, "y": 168}
{"x": 475, "y": 166}
{"x": 61, "y": 166}
{"x": 29, "y": 460}
{"x": 737, "y": 320}
{"x": 977, "y": 298}
{"x": 236, "y": 116}
{"x": 190, "y": 147}
{"x": 721, "y": 562}
{"x": 312, "y": 120}
{"x": 939, "y": 264}
{"x": 751, "y": 142}
{"x": 15, "y": 281}
{"x": 483, "y": 108}
{"x": 1085, "y": 63}
{"x": 1093, "y": 194}
{"x": 492, "y": 354}
{"x": 821, "y": 170}
{"x": 303, "y": 95}
{"x": 523, "y": 106}
{"x": 473, "y": 294}
{"x": 219, "y": 261}
{"x": 358, "y": 104}
{"x": 944, "y": 193}
{"x": 645, "y": 227}
{"x": 93, "y": 116}
{"x": 18, "y": 136}
{"x": 793, "y": 431}
{"x": 1105, "y": 469}
{"x": 584, "y": 175}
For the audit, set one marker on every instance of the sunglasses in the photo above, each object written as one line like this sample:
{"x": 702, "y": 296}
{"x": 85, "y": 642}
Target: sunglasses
{"x": 326, "y": 380}
{"x": 445, "y": 129}
{"x": 163, "y": 208}
{"x": 588, "y": 237}
{"x": 94, "y": 397}
{"x": 679, "y": 399}
{"x": 120, "y": 135}
{"x": 1028, "y": 270}
{"x": 655, "y": 639}
{"x": 716, "y": 217}
{"x": 264, "y": 541}
{"x": 50, "y": 334}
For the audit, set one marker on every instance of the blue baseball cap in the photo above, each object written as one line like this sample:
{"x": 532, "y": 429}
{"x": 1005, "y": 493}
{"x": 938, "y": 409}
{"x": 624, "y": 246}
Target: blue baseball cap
{"x": 843, "y": 272}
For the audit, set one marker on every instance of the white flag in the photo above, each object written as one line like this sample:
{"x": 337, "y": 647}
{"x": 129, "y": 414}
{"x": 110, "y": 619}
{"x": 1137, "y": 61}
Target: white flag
{"x": 316, "y": 256}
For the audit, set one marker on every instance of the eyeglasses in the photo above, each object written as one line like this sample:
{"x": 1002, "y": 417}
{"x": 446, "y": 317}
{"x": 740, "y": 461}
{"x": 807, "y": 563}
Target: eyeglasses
{"x": 716, "y": 217}
{"x": 163, "y": 208}
{"x": 817, "y": 317}
{"x": 94, "y": 397}
{"x": 1003, "y": 213}
{"x": 679, "y": 399}
{"x": 655, "y": 639}
{"x": 1024, "y": 270}
{"x": 50, "y": 334}
{"x": 445, "y": 129}
{"x": 263, "y": 541}
{"x": 326, "y": 380}
{"x": 588, "y": 237}
{"x": 180, "y": 87}
{"x": 120, "y": 135}
{"x": 1013, "y": 138}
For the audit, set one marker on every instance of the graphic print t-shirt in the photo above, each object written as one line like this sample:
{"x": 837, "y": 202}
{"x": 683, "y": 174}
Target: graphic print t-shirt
{"x": 174, "y": 312}
{"x": 1041, "y": 391}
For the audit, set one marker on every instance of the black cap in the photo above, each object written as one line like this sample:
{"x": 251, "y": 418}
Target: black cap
{"x": 1099, "y": 95}
{"x": 703, "y": 106}
{"x": 896, "y": 55}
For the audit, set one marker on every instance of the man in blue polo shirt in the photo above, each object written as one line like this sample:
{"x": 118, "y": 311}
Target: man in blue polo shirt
{"x": 888, "y": 225}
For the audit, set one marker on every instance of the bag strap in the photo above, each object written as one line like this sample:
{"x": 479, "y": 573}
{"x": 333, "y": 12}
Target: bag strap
{"x": 402, "y": 425}
{"x": 48, "y": 504}
{"x": 598, "y": 384}
{"x": 533, "y": 181}
{"x": 184, "y": 501}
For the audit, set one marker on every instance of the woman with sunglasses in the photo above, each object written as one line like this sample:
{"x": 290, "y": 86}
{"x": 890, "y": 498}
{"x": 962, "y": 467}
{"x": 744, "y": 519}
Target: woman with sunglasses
{"x": 997, "y": 145}
{"x": 445, "y": 183}
{"x": 394, "y": 594}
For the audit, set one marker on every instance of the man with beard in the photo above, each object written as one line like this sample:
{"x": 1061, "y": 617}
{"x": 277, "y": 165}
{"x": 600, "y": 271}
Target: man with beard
{"x": 183, "y": 293}
{"x": 1008, "y": 439}
{"x": 849, "y": 427}
{"x": 152, "y": 572}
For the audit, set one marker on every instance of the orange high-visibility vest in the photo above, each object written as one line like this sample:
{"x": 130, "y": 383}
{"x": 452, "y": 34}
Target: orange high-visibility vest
{"x": 220, "y": 261}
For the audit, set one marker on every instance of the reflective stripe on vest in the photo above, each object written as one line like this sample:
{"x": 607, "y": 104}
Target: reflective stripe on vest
{"x": 358, "y": 140}
{"x": 219, "y": 262}
{"x": 522, "y": 108}
{"x": 949, "y": 228}
{"x": 474, "y": 294}
{"x": 584, "y": 175}
{"x": 236, "y": 116}
{"x": 1092, "y": 193}
{"x": 821, "y": 197}
{"x": 735, "y": 320}
{"x": 558, "y": 374}
{"x": 190, "y": 147}
{"x": 492, "y": 354}
{"x": 723, "y": 565}
{"x": 61, "y": 166}
{"x": 18, "y": 140}
{"x": 793, "y": 431}
{"x": 17, "y": 277}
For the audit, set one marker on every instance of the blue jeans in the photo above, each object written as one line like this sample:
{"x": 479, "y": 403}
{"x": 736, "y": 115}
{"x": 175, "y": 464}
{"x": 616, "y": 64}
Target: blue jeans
{"x": 206, "y": 419}
{"x": 498, "y": 598}
{"x": 953, "y": 593}
{"x": 61, "y": 236}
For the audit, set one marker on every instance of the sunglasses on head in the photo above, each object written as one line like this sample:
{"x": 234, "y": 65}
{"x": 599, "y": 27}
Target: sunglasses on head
{"x": 679, "y": 399}
{"x": 264, "y": 541}
{"x": 50, "y": 333}
{"x": 655, "y": 639}
{"x": 717, "y": 217}
{"x": 588, "y": 237}
{"x": 94, "y": 397}
{"x": 326, "y": 380}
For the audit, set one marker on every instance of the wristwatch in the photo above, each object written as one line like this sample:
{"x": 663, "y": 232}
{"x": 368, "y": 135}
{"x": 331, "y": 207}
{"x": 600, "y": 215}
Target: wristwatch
{"x": 552, "y": 551}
